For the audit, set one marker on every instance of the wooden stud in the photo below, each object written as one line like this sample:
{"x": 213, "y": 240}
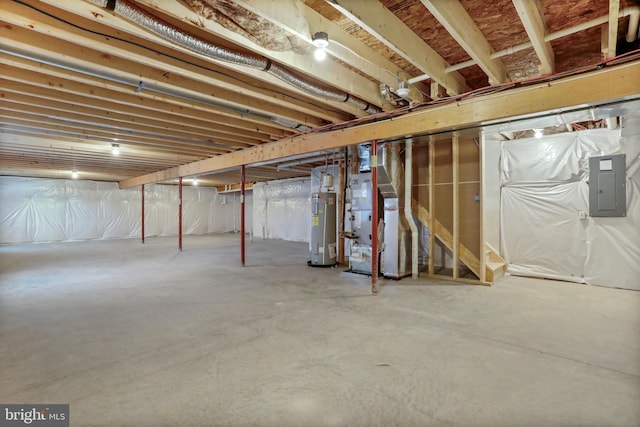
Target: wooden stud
{"x": 432, "y": 233}
{"x": 483, "y": 257}
{"x": 456, "y": 204}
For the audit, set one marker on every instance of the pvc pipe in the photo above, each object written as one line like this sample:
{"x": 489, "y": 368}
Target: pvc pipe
{"x": 142, "y": 213}
{"x": 180, "y": 215}
{"x": 374, "y": 216}
{"x": 408, "y": 181}
{"x": 242, "y": 179}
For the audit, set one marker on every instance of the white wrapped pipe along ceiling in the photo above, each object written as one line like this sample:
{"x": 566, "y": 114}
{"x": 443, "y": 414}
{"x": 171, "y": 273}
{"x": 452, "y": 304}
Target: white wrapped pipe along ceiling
{"x": 157, "y": 26}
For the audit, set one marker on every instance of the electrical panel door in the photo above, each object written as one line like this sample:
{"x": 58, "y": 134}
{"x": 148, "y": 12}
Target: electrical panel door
{"x": 608, "y": 186}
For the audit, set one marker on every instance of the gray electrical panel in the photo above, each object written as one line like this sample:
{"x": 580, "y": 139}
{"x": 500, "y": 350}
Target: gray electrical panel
{"x": 322, "y": 246}
{"x": 608, "y": 186}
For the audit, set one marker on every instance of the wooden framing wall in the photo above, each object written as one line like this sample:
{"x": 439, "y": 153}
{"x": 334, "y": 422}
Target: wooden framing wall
{"x": 446, "y": 182}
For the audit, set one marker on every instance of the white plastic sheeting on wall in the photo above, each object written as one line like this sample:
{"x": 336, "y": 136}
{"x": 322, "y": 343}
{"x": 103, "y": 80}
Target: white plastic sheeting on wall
{"x": 282, "y": 209}
{"x": 44, "y": 210}
{"x": 225, "y": 214}
{"x": 545, "y": 227}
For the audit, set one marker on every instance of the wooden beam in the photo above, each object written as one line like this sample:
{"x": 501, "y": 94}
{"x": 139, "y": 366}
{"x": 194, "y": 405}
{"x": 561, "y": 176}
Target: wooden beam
{"x": 92, "y": 122}
{"x": 531, "y": 15}
{"x": 612, "y": 44}
{"x": 606, "y": 84}
{"x": 39, "y": 45}
{"x": 33, "y": 126}
{"x": 328, "y": 72}
{"x": 348, "y": 80}
{"x": 302, "y": 21}
{"x": 169, "y": 110}
{"x": 390, "y": 30}
{"x": 26, "y": 17}
{"x": 152, "y": 155}
{"x": 455, "y": 19}
{"x": 58, "y": 108}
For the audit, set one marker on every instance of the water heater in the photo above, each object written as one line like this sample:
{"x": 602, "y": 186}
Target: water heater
{"x": 322, "y": 246}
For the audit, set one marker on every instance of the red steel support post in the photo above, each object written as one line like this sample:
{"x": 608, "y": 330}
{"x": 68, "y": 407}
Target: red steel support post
{"x": 374, "y": 217}
{"x": 242, "y": 179}
{"x": 180, "y": 215}
{"x": 142, "y": 213}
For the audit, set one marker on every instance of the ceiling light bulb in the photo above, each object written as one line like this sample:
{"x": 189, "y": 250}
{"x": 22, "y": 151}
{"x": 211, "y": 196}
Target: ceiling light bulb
{"x": 537, "y": 133}
{"x": 403, "y": 90}
{"x": 115, "y": 150}
{"x": 194, "y": 182}
{"x": 320, "y": 54}
{"x": 320, "y": 39}
{"x": 74, "y": 175}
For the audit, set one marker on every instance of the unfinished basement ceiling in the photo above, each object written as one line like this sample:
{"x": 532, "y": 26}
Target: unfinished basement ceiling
{"x": 78, "y": 78}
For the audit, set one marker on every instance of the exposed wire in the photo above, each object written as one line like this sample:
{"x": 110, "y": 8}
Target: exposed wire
{"x": 626, "y": 57}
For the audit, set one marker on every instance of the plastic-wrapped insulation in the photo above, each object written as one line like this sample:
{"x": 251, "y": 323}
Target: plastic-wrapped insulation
{"x": 163, "y": 29}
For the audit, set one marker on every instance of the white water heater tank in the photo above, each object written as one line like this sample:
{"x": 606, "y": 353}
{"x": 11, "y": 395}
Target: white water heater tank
{"x": 322, "y": 246}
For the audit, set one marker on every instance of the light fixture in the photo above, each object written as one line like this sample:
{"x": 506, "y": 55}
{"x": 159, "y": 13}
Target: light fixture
{"x": 403, "y": 89}
{"x": 320, "y": 54}
{"x": 74, "y": 174}
{"x": 320, "y": 41}
{"x": 194, "y": 181}
{"x": 115, "y": 149}
{"x": 537, "y": 133}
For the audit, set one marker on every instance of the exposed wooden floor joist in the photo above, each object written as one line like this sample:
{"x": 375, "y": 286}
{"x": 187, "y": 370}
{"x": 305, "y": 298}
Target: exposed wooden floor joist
{"x": 607, "y": 84}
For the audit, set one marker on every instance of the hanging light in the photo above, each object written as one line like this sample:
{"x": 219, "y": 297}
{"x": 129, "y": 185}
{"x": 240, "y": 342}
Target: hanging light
{"x": 194, "y": 181}
{"x": 115, "y": 149}
{"x": 403, "y": 89}
{"x": 537, "y": 133}
{"x": 74, "y": 174}
{"x": 320, "y": 41}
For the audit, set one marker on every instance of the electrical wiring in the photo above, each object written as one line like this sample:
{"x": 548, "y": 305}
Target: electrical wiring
{"x": 388, "y": 115}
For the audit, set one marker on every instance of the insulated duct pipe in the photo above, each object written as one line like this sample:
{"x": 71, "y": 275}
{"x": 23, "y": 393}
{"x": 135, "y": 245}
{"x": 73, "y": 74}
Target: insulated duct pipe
{"x": 408, "y": 178}
{"x": 155, "y": 25}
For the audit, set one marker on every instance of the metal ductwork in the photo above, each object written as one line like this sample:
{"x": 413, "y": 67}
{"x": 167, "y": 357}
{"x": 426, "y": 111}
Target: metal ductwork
{"x": 397, "y": 240}
{"x": 163, "y": 29}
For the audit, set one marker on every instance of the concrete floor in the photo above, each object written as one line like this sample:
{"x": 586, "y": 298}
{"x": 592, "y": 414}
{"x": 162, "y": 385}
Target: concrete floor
{"x": 141, "y": 335}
